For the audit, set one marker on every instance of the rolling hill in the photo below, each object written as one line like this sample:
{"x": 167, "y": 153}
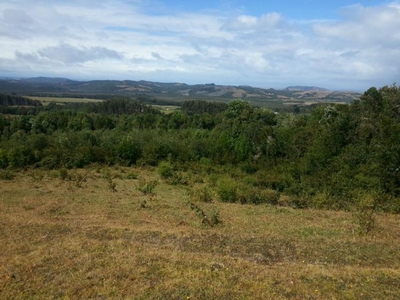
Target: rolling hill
{"x": 63, "y": 87}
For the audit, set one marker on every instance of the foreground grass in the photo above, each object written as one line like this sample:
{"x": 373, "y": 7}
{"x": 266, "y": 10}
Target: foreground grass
{"x": 93, "y": 235}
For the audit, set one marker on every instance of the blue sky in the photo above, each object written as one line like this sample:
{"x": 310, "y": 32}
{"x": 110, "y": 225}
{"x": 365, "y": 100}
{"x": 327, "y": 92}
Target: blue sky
{"x": 297, "y": 9}
{"x": 340, "y": 45}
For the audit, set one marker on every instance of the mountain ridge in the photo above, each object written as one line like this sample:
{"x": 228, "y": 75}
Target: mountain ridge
{"x": 172, "y": 90}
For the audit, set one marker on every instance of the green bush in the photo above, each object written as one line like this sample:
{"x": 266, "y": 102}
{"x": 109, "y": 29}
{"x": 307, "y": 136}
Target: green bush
{"x": 364, "y": 213}
{"x": 261, "y": 196}
{"x": 3, "y": 159}
{"x": 227, "y": 190}
{"x": 63, "y": 174}
{"x": 202, "y": 194}
{"x": 165, "y": 170}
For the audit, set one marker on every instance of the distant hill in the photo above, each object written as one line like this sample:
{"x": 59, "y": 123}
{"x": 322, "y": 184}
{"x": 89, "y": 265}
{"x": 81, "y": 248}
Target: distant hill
{"x": 63, "y": 87}
{"x": 306, "y": 88}
{"x": 53, "y": 80}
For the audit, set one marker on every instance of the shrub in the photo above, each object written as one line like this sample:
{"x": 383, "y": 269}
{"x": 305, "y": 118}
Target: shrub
{"x": 6, "y": 175}
{"x": 211, "y": 221}
{"x": 165, "y": 170}
{"x": 132, "y": 175}
{"x": 227, "y": 190}
{"x": 202, "y": 194}
{"x": 63, "y": 174}
{"x": 261, "y": 196}
{"x": 3, "y": 159}
{"x": 146, "y": 186}
{"x": 364, "y": 213}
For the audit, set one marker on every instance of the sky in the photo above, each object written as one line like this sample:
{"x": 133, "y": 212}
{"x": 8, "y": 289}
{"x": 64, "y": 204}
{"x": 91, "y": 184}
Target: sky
{"x": 335, "y": 44}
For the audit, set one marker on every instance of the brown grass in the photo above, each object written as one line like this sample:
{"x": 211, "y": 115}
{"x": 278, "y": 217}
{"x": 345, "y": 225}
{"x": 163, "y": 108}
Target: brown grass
{"x": 62, "y": 241}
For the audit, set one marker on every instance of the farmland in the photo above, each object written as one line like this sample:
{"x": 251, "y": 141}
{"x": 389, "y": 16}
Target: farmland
{"x": 62, "y": 100}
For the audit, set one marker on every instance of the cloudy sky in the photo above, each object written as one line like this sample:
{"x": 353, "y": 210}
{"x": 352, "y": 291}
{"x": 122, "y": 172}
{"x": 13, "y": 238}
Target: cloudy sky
{"x": 337, "y": 44}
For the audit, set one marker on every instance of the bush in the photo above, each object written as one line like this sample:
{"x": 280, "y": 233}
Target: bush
{"x": 6, "y": 175}
{"x": 364, "y": 213}
{"x": 63, "y": 174}
{"x": 146, "y": 186}
{"x": 165, "y": 170}
{"x": 227, "y": 190}
{"x": 264, "y": 196}
{"x": 202, "y": 194}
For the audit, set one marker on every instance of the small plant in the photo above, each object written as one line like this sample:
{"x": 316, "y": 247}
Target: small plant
{"x": 146, "y": 186}
{"x": 111, "y": 185}
{"x": 202, "y": 194}
{"x": 227, "y": 190}
{"x": 37, "y": 175}
{"x": 79, "y": 179}
{"x": 364, "y": 214}
{"x": 165, "y": 170}
{"x": 261, "y": 196}
{"x": 206, "y": 220}
{"x": 6, "y": 175}
{"x": 143, "y": 204}
{"x": 63, "y": 174}
{"x": 132, "y": 175}
{"x": 215, "y": 219}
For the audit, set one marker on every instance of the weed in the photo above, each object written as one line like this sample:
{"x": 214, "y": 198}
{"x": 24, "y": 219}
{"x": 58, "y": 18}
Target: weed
{"x": 36, "y": 175}
{"x": 263, "y": 196}
{"x": 63, "y": 174}
{"x": 79, "y": 179}
{"x": 202, "y": 194}
{"x": 143, "y": 204}
{"x": 132, "y": 175}
{"x": 111, "y": 185}
{"x": 206, "y": 220}
{"x": 167, "y": 172}
{"x": 6, "y": 175}
{"x": 364, "y": 214}
{"x": 146, "y": 186}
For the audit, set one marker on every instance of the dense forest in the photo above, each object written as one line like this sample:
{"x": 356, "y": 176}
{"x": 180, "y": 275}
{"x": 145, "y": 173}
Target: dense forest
{"x": 328, "y": 158}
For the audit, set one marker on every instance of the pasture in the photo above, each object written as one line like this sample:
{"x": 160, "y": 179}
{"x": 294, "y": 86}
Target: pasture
{"x": 102, "y": 233}
{"x": 60, "y": 100}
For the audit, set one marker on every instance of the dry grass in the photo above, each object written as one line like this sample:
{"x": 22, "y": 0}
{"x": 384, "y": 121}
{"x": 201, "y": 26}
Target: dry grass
{"x": 81, "y": 239}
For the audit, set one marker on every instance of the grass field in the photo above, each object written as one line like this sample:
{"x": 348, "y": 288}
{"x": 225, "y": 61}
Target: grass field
{"x": 166, "y": 109}
{"x": 48, "y": 100}
{"x": 92, "y": 234}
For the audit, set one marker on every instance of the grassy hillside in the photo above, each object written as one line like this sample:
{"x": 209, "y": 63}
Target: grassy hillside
{"x": 95, "y": 234}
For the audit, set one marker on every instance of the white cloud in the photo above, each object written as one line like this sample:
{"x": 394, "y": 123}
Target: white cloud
{"x": 119, "y": 39}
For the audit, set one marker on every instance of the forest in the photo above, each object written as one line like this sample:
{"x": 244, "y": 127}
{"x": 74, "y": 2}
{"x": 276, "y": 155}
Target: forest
{"x": 328, "y": 158}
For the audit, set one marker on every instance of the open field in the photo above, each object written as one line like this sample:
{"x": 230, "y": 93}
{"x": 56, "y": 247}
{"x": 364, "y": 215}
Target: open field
{"x": 48, "y": 100}
{"x": 91, "y": 234}
{"x": 166, "y": 109}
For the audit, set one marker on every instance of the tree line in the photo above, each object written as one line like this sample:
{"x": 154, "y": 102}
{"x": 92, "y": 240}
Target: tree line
{"x": 322, "y": 159}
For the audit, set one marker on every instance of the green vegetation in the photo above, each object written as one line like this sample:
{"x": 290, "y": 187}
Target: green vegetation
{"x": 322, "y": 159}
